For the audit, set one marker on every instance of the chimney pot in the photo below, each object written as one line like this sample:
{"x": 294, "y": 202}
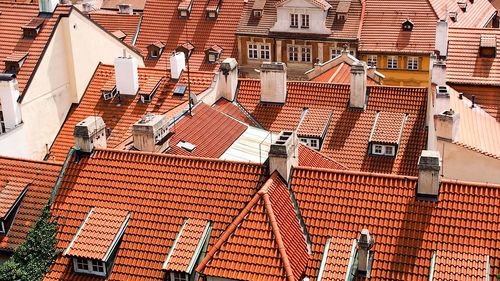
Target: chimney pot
{"x": 357, "y": 98}
{"x": 441, "y": 42}
{"x": 90, "y": 134}
{"x": 127, "y": 78}
{"x": 273, "y": 82}
{"x": 149, "y": 133}
{"x": 429, "y": 167}
{"x": 283, "y": 154}
{"x": 365, "y": 243}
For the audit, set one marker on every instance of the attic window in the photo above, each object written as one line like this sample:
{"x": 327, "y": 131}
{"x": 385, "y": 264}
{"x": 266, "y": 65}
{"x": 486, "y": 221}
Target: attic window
{"x": 342, "y": 10}
{"x": 488, "y": 46}
{"x": 386, "y": 133}
{"x": 408, "y": 25}
{"x": 453, "y": 16}
{"x": 184, "y": 8}
{"x": 32, "y": 28}
{"x": 462, "y": 5}
{"x": 213, "y": 9}
{"x": 258, "y": 8}
{"x": 14, "y": 61}
{"x": 156, "y": 49}
{"x": 179, "y": 90}
{"x": 257, "y": 14}
{"x": 186, "y": 48}
{"x": 125, "y": 9}
{"x": 10, "y": 200}
{"x": 186, "y": 145}
{"x": 313, "y": 126}
{"x": 214, "y": 53}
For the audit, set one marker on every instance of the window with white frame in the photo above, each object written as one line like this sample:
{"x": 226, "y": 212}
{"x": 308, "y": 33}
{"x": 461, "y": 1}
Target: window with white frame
{"x": 179, "y": 276}
{"x": 265, "y": 52}
{"x": 314, "y": 143}
{"x": 299, "y": 53}
{"x": 294, "y": 20}
{"x": 89, "y": 266}
{"x": 337, "y": 51}
{"x": 252, "y": 51}
{"x": 2, "y": 227}
{"x": 371, "y": 60}
{"x": 305, "y": 21}
{"x": 293, "y": 53}
{"x": 380, "y": 149}
{"x": 392, "y": 62}
{"x": 306, "y": 54}
{"x": 412, "y": 63}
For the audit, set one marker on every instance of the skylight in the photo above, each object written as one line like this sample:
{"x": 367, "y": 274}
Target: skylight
{"x": 179, "y": 90}
{"x": 187, "y": 146}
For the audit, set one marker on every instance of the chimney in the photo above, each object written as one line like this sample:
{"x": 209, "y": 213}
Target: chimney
{"x": 284, "y": 154}
{"x": 447, "y": 124}
{"x": 127, "y": 80}
{"x": 87, "y": 7}
{"x": 150, "y": 133}
{"x": 125, "y": 9}
{"x": 9, "y": 93}
{"x": 442, "y": 99}
{"x": 439, "y": 73}
{"x": 429, "y": 166}
{"x": 358, "y": 85}
{"x": 273, "y": 82}
{"x": 441, "y": 43}
{"x": 90, "y": 133}
{"x": 228, "y": 79}
{"x": 47, "y": 6}
{"x": 177, "y": 65}
{"x": 365, "y": 257}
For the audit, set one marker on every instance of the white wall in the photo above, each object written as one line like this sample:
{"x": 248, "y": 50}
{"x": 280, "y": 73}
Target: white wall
{"x": 317, "y": 18}
{"x": 13, "y": 143}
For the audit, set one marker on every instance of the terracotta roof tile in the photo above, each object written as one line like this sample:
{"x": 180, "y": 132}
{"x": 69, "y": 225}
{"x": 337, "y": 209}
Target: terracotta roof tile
{"x": 347, "y": 137}
{"x": 119, "y": 34}
{"x": 388, "y": 127}
{"x": 315, "y": 122}
{"x": 16, "y": 57}
{"x": 9, "y": 196}
{"x": 477, "y": 14}
{"x": 338, "y": 253}
{"x": 456, "y": 266}
{"x": 320, "y": 3}
{"x": 213, "y": 5}
{"x": 407, "y": 231}
{"x": 233, "y": 110}
{"x": 42, "y": 177}
{"x": 339, "y": 74}
{"x": 464, "y": 64}
{"x": 113, "y": 4}
{"x": 310, "y": 157}
{"x": 184, "y": 4}
{"x": 34, "y": 23}
{"x": 120, "y": 114}
{"x": 484, "y": 96}
{"x": 128, "y": 24}
{"x": 97, "y": 233}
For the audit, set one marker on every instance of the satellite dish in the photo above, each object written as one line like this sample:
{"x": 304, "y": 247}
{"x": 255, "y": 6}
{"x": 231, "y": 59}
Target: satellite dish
{"x": 193, "y": 98}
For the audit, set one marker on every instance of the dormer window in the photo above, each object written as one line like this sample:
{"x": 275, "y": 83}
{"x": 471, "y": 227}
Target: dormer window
{"x": 32, "y": 28}
{"x": 453, "y": 16}
{"x": 341, "y": 17}
{"x": 463, "y": 6}
{"x": 184, "y": 8}
{"x": 120, "y": 35}
{"x": 407, "y": 25}
{"x": 213, "y": 9}
{"x": 258, "y": 8}
{"x": 257, "y": 14}
{"x": 186, "y": 48}
{"x": 92, "y": 253}
{"x": 155, "y": 50}
{"x": 313, "y": 126}
{"x": 214, "y": 54}
{"x": 10, "y": 200}
{"x": 294, "y": 20}
{"x": 342, "y": 10}
{"x": 386, "y": 133}
{"x": 488, "y": 46}
{"x": 14, "y": 61}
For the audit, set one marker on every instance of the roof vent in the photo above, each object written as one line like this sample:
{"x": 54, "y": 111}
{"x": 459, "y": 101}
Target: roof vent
{"x": 462, "y": 5}
{"x": 408, "y": 25}
{"x": 155, "y": 50}
{"x": 186, "y": 48}
{"x": 14, "y": 61}
{"x": 214, "y": 53}
{"x": 365, "y": 256}
{"x": 90, "y": 133}
{"x": 213, "y": 9}
{"x": 125, "y": 9}
{"x": 87, "y": 7}
{"x": 186, "y": 145}
{"x": 151, "y": 133}
{"x": 453, "y": 16}
{"x": 184, "y": 8}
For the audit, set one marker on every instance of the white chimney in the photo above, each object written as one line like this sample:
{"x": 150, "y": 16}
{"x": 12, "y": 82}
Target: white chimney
{"x": 429, "y": 167}
{"x": 273, "y": 82}
{"x": 9, "y": 93}
{"x": 357, "y": 98}
{"x": 438, "y": 72}
{"x": 150, "y": 133}
{"x": 125, "y": 9}
{"x": 127, "y": 78}
{"x": 447, "y": 124}
{"x": 177, "y": 64}
{"x": 228, "y": 79}
{"x": 284, "y": 154}
{"x": 441, "y": 44}
{"x": 90, "y": 133}
{"x": 442, "y": 99}
{"x": 365, "y": 243}
{"x": 87, "y": 7}
{"x": 47, "y": 6}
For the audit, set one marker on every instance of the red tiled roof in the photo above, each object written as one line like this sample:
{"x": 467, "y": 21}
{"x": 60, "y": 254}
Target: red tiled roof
{"x": 13, "y": 17}
{"x": 477, "y": 14}
{"x": 347, "y": 137}
{"x": 387, "y": 127}
{"x": 212, "y": 5}
{"x": 34, "y": 23}
{"x": 407, "y": 231}
{"x": 384, "y": 18}
{"x": 128, "y": 24}
{"x": 160, "y": 192}
{"x": 9, "y": 195}
{"x": 211, "y": 131}
{"x": 159, "y": 44}
{"x": 484, "y": 96}
{"x": 197, "y": 29}
{"x": 315, "y": 122}
{"x": 320, "y": 3}
{"x": 113, "y": 4}
{"x": 187, "y": 242}
{"x": 42, "y": 177}
{"x": 340, "y": 74}
{"x": 184, "y": 4}
{"x": 119, "y": 115}
{"x": 231, "y": 109}
{"x": 336, "y": 259}
{"x": 16, "y": 56}
{"x": 310, "y": 157}
{"x": 457, "y": 266}
{"x": 97, "y": 233}
{"x": 464, "y": 65}
{"x": 265, "y": 242}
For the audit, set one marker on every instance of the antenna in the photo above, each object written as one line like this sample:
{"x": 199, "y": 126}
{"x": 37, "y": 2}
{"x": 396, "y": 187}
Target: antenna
{"x": 189, "y": 76}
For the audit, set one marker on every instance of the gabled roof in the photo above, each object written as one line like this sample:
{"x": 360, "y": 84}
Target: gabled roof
{"x": 233, "y": 110}
{"x": 160, "y": 192}
{"x": 120, "y": 113}
{"x": 388, "y": 127}
{"x": 112, "y": 21}
{"x": 39, "y": 179}
{"x": 348, "y": 134}
{"x": 265, "y": 241}
{"x": 310, "y": 157}
{"x": 315, "y": 122}
{"x": 339, "y": 74}
{"x": 10, "y": 195}
{"x": 34, "y": 23}
{"x": 16, "y": 56}
{"x": 458, "y": 266}
{"x": 464, "y": 65}
{"x": 323, "y": 4}
{"x": 477, "y": 14}
{"x": 335, "y": 260}
{"x": 407, "y": 231}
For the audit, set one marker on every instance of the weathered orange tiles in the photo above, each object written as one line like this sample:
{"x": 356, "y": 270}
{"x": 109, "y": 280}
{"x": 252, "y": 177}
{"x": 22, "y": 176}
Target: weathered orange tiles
{"x": 310, "y": 157}
{"x": 387, "y": 127}
{"x": 458, "y": 266}
{"x": 315, "y": 122}
{"x": 10, "y": 195}
{"x": 112, "y": 21}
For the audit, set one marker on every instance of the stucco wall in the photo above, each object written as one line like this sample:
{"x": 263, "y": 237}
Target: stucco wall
{"x": 13, "y": 143}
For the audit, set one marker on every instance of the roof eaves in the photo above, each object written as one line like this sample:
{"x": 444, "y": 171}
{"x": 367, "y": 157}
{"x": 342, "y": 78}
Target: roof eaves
{"x": 78, "y": 232}
{"x": 118, "y": 236}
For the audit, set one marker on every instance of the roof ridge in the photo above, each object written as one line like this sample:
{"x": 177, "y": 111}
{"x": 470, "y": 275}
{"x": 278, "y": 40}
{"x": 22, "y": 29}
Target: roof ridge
{"x": 340, "y": 84}
{"x": 31, "y": 160}
{"x": 357, "y": 173}
{"x": 159, "y": 70}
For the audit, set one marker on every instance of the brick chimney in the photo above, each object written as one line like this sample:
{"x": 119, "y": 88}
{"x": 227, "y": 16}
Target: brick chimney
{"x": 228, "y": 79}
{"x": 177, "y": 65}
{"x": 447, "y": 124}
{"x": 429, "y": 167}
{"x": 358, "y": 97}
{"x": 150, "y": 133}
{"x": 441, "y": 43}
{"x": 9, "y": 93}
{"x": 127, "y": 78}
{"x": 365, "y": 259}
{"x": 284, "y": 154}
{"x": 90, "y": 133}
{"x": 273, "y": 82}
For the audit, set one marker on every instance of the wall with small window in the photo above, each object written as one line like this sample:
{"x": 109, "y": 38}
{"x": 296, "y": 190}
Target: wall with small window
{"x": 383, "y": 149}
{"x": 312, "y": 142}
{"x": 299, "y": 53}
{"x": 89, "y": 266}
{"x": 258, "y": 51}
{"x": 300, "y": 16}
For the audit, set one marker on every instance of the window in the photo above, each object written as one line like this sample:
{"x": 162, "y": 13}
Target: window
{"x": 212, "y": 58}
{"x": 305, "y": 21}
{"x": 257, "y": 13}
{"x": 82, "y": 264}
{"x": 338, "y": 51}
{"x": 314, "y": 143}
{"x": 265, "y": 52}
{"x": 293, "y": 53}
{"x": 380, "y": 149}
{"x": 89, "y": 266}
{"x": 178, "y": 276}
{"x": 341, "y": 17}
{"x": 154, "y": 53}
{"x": 392, "y": 62}
{"x": 252, "y": 51}
{"x": 294, "y": 20}
{"x": 306, "y": 54}
{"x": 412, "y": 63}
{"x": 371, "y": 60}
{"x": 389, "y": 150}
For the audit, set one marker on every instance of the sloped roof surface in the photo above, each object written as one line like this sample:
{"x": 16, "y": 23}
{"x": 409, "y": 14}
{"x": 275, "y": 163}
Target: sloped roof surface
{"x": 314, "y": 122}
{"x": 464, "y": 65}
{"x": 41, "y": 177}
{"x": 113, "y": 4}
{"x": 484, "y": 96}
{"x": 120, "y": 114}
{"x": 112, "y": 21}
{"x": 160, "y": 192}
{"x": 233, "y": 110}
{"x": 340, "y": 30}
{"x": 337, "y": 258}
{"x": 458, "y": 266}
{"x": 347, "y": 137}
{"x": 477, "y": 14}
{"x": 310, "y": 157}
{"x": 340, "y": 74}
{"x": 9, "y": 195}
{"x": 384, "y": 18}
{"x": 13, "y": 17}
{"x": 97, "y": 233}
{"x": 407, "y": 231}
{"x": 387, "y": 127}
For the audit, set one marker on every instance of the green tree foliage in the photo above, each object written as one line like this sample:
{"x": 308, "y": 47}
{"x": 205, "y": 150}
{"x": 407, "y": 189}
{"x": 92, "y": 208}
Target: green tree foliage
{"x": 31, "y": 260}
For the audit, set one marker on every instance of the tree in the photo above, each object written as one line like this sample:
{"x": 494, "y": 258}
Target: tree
{"x": 32, "y": 259}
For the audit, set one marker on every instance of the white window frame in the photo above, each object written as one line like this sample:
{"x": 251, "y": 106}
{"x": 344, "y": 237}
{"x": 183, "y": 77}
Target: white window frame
{"x": 257, "y": 13}
{"x": 304, "y": 21}
{"x": 312, "y": 142}
{"x": 295, "y": 51}
{"x": 412, "y": 63}
{"x": 394, "y": 62}
{"x": 294, "y": 20}
{"x": 371, "y": 60}
{"x": 212, "y": 57}
{"x": 2, "y": 227}
{"x": 305, "y": 54}
{"x": 178, "y": 276}
{"x": 383, "y": 149}
{"x": 90, "y": 264}
{"x": 253, "y": 48}
{"x": 302, "y": 56}
{"x": 265, "y": 51}
{"x": 334, "y": 52}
